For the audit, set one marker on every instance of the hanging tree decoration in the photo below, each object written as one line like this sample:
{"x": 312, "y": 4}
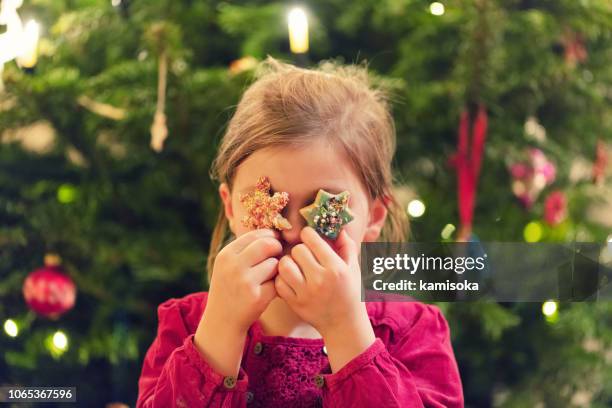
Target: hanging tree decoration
{"x": 159, "y": 129}
{"x": 468, "y": 161}
{"x": 163, "y": 38}
{"x": 48, "y": 291}
{"x": 100, "y": 108}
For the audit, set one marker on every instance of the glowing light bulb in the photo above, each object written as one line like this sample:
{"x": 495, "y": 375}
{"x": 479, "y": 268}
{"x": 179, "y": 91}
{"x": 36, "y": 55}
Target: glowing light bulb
{"x": 298, "y": 30}
{"x": 66, "y": 193}
{"x": 60, "y": 341}
{"x": 533, "y": 232}
{"x": 11, "y": 328}
{"x": 29, "y": 45}
{"x": 549, "y": 308}
{"x": 436, "y": 8}
{"x": 416, "y": 208}
{"x": 447, "y": 231}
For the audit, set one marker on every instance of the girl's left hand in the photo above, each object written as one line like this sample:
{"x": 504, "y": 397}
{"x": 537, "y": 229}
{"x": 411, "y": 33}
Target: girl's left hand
{"x": 323, "y": 287}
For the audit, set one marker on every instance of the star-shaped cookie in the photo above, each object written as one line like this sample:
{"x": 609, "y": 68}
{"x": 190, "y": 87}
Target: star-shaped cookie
{"x": 328, "y": 213}
{"x": 263, "y": 209}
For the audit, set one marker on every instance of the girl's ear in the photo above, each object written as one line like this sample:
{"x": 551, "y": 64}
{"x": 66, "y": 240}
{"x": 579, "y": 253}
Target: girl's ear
{"x": 226, "y": 198}
{"x": 378, "y": 215}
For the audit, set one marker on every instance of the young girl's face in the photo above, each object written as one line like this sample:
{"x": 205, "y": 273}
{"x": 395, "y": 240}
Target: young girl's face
{"x": 301, "y": 172}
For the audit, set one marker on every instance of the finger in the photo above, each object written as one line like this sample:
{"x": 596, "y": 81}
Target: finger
{"x": 245, "y": 239}
{"x": 283, "y": 289}
{"x": 305, "y": 260}
{"x": 346, "y": 247}
{"x": 264, "y": 271}
{"x": 261, "y": 249}
{"x": 291, "y": 274}
{"x": 268, "y": 291}
{"x": 323, "y": 252}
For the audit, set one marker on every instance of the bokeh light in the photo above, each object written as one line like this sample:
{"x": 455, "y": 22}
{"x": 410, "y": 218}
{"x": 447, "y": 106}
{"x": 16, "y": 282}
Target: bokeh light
{"x": 11, "y": 328}
{"x": 416, "y": 208}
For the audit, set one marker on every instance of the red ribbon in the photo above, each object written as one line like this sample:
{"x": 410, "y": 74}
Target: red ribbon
{"x": 468, "y": 163}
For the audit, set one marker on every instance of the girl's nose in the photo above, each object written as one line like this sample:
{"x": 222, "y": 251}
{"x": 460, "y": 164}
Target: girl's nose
{"x": 292, "y": 235}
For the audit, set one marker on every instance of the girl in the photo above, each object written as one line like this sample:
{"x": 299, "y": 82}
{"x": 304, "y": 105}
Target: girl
{"x": 283, "y": 323}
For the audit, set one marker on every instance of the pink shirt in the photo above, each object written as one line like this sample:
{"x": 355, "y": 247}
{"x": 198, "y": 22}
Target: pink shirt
{"x": 410, "y": 364}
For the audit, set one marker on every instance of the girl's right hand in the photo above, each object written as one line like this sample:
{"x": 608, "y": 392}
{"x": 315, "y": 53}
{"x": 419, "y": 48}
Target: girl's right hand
{"x": 242, "y": 283}
{"x": 241, "y": 287}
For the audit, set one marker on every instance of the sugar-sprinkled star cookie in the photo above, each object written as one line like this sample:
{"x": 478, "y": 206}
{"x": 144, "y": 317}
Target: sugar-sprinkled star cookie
{"x": 328, "y": 214}
{"x": 263, "y": 209}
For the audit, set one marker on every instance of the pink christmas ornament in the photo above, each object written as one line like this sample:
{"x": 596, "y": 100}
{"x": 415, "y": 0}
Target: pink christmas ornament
{"x": 531, "y": 176}
{"x": 555, "y": 208}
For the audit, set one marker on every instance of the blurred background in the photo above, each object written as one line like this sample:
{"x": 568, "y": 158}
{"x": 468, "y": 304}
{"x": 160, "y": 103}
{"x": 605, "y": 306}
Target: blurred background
{"x": 111, "y": 111}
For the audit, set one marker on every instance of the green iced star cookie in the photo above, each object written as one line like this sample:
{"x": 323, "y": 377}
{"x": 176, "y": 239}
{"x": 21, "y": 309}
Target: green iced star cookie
{"x": 328, "y": 213}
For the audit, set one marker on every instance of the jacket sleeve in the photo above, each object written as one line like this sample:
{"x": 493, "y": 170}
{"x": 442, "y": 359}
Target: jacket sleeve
{"x": 175, "y": 374}
{"x": 417, "y": 369}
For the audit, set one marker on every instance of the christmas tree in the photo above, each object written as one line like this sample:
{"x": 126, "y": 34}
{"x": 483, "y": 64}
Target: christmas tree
{"x": 109, "y": 124}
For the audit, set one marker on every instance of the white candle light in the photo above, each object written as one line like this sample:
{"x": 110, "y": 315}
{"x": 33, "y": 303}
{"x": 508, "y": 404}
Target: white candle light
{"x": 29, "y": 41}
{"x": 298, "y": 31}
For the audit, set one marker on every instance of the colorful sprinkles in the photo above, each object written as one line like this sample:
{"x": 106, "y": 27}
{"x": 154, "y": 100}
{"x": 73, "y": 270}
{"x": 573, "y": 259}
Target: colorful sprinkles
{"x": 263, "y": 209}
{"x": 328, "y": 213}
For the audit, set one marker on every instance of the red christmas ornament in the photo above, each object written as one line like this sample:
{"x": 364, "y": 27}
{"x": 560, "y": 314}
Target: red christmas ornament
{"x": 48, "y": 290}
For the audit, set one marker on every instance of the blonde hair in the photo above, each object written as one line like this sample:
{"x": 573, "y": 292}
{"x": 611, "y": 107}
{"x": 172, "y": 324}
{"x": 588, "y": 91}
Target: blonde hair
{"x": 291, "y": 106}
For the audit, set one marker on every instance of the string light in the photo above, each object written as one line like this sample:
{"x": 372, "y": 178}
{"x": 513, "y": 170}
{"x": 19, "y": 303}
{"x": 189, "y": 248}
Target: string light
{"x": 416, "y": 208}
{"x": 57, "y": 344}
{"x": 16, "y": 41}
{"x": 60, "y": 341}
{"x": 10, "y": 39}
{"x": 66, "y": 193}
{"x": 298, "y": 30}
{"x": 550, "y": 310}
{"x": 29, "y": 45}
{"x": 436, "y": 8}
{"x": 11, "y": 328}
{"x": 447, "y": 231}
{"x": 533, "y": 231}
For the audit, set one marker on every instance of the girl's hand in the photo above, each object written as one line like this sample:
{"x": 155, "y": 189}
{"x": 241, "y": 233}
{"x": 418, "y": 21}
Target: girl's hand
{"x": 242, "y": 283}
{"x": 323, "y": 287}
{"x": 241, "y": 288}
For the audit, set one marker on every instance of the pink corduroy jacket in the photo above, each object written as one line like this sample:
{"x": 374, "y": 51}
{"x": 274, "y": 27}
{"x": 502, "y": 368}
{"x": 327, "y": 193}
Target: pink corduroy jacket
{"x": 410, "y": 364}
